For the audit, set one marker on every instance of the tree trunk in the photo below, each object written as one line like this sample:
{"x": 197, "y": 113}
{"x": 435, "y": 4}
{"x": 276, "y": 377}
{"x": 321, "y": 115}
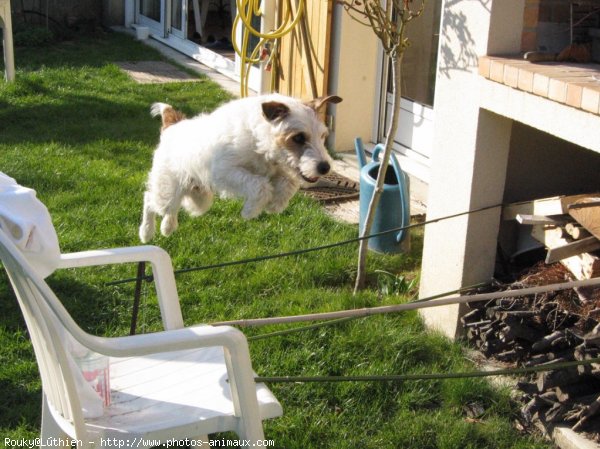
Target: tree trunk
{"x": 396, "y": 59}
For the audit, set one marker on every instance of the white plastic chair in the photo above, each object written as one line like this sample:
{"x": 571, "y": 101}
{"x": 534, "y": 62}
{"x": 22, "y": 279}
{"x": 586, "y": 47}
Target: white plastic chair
{"x": 176, "y": 384}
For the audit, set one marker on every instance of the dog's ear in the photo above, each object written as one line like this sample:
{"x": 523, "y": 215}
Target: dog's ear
{"x": 274, "y": 110}
{"x": 318, "y": 103}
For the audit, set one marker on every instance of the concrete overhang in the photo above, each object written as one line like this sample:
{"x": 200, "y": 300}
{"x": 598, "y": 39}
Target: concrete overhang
{"x": 560, "y": 99}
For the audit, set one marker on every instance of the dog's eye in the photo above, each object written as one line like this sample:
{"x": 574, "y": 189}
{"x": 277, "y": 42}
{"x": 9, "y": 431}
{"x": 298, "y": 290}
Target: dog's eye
{"x": 299, "y": 138}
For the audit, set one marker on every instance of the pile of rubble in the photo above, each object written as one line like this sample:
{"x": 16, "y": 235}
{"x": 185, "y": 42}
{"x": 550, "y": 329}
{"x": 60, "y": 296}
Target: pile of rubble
{"x": 560, "y": 326}
{"x": 554, "y": 327}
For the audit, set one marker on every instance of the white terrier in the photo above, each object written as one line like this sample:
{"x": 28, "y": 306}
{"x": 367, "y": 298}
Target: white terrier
{"x": 256, "y": 148}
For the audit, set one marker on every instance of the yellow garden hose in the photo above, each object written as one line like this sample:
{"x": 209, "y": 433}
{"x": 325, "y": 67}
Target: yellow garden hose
{"x": 266, "y": 49}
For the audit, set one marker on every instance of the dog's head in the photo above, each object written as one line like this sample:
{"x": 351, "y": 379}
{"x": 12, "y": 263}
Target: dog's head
{"x": 300, "y": 134}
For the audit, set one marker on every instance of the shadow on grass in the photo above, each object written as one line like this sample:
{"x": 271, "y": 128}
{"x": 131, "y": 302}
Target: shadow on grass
{"x": 72, "y": 118}
{"x": 73, "y": 93}
{"x": 20, "y": 405}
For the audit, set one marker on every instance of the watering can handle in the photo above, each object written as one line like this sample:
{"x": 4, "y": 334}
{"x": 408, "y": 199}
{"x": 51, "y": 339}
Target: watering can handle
{"x": 402, "y": 182}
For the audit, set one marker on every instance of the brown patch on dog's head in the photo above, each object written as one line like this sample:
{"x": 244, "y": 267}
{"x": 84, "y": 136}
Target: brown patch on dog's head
{"x": 274, "y": 110}
{"x": 292, "y": 141}
{"x": 170, "y": 116}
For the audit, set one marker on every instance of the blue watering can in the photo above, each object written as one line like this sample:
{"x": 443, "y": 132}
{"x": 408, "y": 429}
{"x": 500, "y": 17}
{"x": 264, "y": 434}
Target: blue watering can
{"x": 393, "y": 210}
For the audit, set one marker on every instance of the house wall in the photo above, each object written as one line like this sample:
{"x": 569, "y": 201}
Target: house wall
{"x": 355, "y": 69}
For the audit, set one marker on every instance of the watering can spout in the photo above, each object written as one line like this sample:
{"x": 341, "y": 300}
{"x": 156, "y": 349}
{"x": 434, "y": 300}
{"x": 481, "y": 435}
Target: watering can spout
{"x": 360, "y": 152}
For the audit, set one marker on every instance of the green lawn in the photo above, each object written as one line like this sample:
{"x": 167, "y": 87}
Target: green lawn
{"x": 77, "y": 130}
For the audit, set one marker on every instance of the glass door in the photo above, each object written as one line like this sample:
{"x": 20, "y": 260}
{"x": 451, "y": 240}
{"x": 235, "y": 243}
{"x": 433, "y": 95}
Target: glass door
{"x": 414, "y": 138}
{"x": 177, "y": 18}
{"x": 151, "y": 13}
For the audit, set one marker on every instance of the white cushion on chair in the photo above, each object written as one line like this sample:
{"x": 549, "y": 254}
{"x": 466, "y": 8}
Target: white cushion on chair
{"x": 27, "y": 221}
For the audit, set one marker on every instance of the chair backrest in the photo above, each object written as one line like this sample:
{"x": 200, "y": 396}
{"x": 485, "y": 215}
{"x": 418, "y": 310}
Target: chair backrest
{"x": 44, "y": 316}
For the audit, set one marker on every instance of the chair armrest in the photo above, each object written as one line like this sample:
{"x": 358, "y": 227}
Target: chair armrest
{"x": 162, "y": 270}
{"x": 192, "y": 337}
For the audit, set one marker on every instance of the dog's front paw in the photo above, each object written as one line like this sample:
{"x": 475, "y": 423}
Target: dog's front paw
{"x": 146, "y": 231}
{"x": 284, "y": 190}
{"x": 251, "y": 210}
{"x": 257, "y": 201}
{"x": 276, "y": 207}
{"x": 168, "y": 225}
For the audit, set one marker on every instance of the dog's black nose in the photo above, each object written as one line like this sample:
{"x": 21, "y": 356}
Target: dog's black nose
{"x": 323, "y": 168}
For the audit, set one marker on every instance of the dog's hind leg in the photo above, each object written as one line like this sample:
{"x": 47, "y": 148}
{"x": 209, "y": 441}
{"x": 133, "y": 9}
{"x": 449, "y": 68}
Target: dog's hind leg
{"x": 169, "y": 222}
{"x": 197, "y": 200}
{"x": 164, "y": 197}
{"x": 148, "y": 226}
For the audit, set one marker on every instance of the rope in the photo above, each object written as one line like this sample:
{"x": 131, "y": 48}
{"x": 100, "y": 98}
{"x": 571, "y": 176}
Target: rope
{"x": 346, "y": 319}
{"x": 367, "y": 311}
{"x": 298, "y": 252}
{"x": 434, "y": 376}
{"x": 300, "y": 329}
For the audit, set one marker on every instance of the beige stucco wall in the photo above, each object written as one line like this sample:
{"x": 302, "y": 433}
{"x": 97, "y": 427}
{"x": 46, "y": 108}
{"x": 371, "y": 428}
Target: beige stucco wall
{"x": 356, "y": 84}
{"x": 470, "y": 155}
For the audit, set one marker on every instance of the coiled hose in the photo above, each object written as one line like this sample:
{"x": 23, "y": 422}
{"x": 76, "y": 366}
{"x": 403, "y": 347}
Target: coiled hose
{"x": 266, "y": 50}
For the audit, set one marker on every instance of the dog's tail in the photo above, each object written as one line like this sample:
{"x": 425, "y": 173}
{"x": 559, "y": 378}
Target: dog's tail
{"x": 168, "y": 114}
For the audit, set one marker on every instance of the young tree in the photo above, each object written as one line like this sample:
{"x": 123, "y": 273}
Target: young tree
{"x": 388, "y": 20}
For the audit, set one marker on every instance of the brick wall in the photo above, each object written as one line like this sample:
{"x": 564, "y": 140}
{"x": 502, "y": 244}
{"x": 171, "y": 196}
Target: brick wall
{"x": 546, "y": 23}
{"x": 530, "y": 21}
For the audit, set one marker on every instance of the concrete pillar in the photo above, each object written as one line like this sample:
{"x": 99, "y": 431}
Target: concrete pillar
{"x": 471, "y": 148}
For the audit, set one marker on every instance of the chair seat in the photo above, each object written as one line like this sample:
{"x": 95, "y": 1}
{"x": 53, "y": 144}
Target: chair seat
{"x": 173, "y": 390}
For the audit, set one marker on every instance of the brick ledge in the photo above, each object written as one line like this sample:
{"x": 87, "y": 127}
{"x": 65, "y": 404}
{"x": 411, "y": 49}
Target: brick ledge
{"x": 575, "y": 85}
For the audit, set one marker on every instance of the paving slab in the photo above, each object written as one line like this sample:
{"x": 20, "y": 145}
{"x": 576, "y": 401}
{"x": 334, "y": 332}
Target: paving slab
{"x": 155, "y": 72}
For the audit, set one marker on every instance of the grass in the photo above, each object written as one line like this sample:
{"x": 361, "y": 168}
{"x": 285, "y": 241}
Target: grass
{"x": 78, "y": 130}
